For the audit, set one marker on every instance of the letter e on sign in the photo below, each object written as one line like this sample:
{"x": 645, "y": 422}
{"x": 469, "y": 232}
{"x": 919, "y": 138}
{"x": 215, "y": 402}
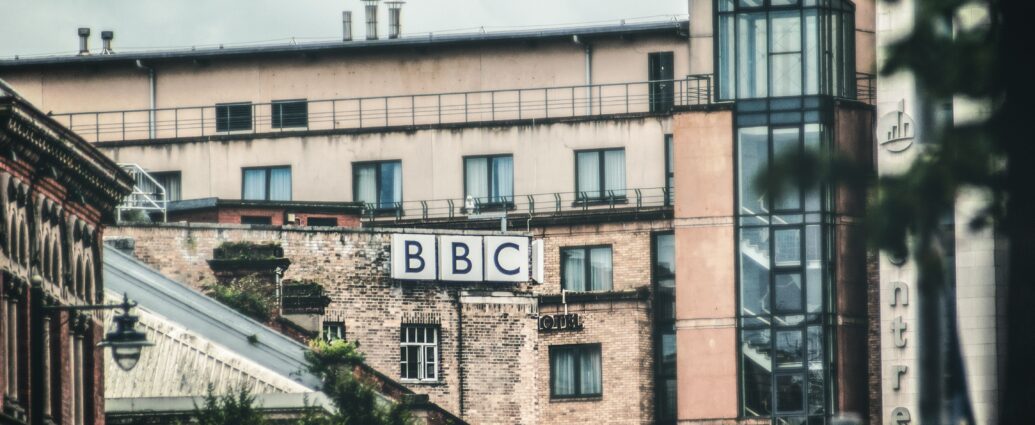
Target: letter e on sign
{"x": 506, "y": 259}
{"x": 460, "y": 258}
{"x": 413, "y": 257}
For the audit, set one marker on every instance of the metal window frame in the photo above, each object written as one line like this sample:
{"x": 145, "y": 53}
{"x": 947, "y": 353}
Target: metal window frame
{"x": 339, "y": 326}
{"x": 601, "y": 173}
{"x": 277, "y": 113}
{"x": 659, "y": 323}
{"x": 505, "y": 204}
{"x": 377, "y": 183}
{"x": 267, "y": 172}
{"x": 587, "y": 267}
{"x": 577, "y": 349}
{"x": 228, "y": 119}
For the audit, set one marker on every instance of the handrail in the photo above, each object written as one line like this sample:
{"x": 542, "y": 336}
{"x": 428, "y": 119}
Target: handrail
{"x": 140, "y": 199}
{"x": 650, "y": 96}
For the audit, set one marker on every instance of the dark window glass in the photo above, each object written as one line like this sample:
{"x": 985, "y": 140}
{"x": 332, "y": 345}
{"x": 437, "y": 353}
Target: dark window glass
{"x": 790, "y": 393}
{"x": 169, "y": 180}
{"x": 266, "y": 184}
{"x": 575, "y": 371}
{"x": 322, "y": 221}
{"x": 660, "y": 73}
{"x": 377, "y": 184}
{"x": 289, "y": 113}
{"x": 669, "y": 170}
{"x": 489, "y": 179}
{"x": 586, "y": 269}
{"x": 256, "y": 219}
{"x": 600, "y": 174}
{"x": 233, "y": 116}
{"x": 333, "y": 331}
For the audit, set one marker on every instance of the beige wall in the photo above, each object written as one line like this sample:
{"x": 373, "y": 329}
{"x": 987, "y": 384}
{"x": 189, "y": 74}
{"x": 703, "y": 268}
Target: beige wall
{"x": 402, "y": 71}
{"x": 432, "y": 160}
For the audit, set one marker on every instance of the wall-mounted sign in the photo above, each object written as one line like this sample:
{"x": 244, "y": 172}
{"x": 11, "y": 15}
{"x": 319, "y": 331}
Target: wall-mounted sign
{"x": 560, "y": 322}
{"x": 896, "y": 129}
{"x": 460, "y": 258}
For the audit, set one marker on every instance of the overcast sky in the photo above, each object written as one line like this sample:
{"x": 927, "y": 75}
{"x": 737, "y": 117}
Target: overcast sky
{"x": 41, "y": 27}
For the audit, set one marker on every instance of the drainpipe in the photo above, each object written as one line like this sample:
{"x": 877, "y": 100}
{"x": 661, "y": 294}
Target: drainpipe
{"x": 460, "y": 349}
{"x": 151, "y": 112}
{"x": 589, "y": 73}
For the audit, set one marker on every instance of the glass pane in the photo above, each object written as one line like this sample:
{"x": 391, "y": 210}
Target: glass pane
{"x": 254, "y": 184}
{"x": 811, "y": 52}
{"x": 574, "y": 263}
{"x": 789, "y": 349}
{"x": 786, "y": 75}
{"x": 664, "y": 255}
{"x": 788, "y": 292}
{"x": 753, "y": 151}
{"x": 476, "y": 173}
{"x": 365, "y": 178}
{"x": 752, "y": 55}
{"x": 790, "y": 393}
{"x": 600, "y": 269}
{"x": 391, "y": 184}
{"x": 412, "y": 364}
{"x": 813, "y": 269}
{"x": 783, "y": 2}
{"x": 280, "y": 184}
{"x": 749, "y": 3}
{"x": 816, "y": 392}
{"x": 754, "y": 271}
{"x": 562, "y": 372}
{"x": 429, "y": 363}
{"x": 614, "y": 172}
{"x": 502, "y": 189}
{"x": 588, "y": 171}
{"x": 786, "y": 142}
{"x": 787, "y": 243}
{"x": 668, "y": 353}
{"x": 757, "y": 378}
{"x": 589, "y": 381}
{"x": 812, "y": 135}
{"x": 725, "y": 5}
{"x": 727, "y": 43}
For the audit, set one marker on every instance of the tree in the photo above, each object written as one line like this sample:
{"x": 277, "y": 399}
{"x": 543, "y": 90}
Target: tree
{"x": 355, "y": 399}
{"x": 235, "y": 408}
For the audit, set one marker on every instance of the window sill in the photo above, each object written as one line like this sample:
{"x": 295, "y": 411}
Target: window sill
{"x": 576, "y": 399}
{"x": 421, "y": 383}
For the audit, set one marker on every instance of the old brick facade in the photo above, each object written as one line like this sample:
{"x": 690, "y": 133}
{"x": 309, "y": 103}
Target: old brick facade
{"x": 56, "y": 192}
{"x": 494, "y": 363}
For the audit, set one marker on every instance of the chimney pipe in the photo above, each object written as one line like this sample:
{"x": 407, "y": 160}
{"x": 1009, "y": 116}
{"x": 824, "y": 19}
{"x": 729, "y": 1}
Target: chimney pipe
{"x": 371, "y": 6}
{"x": 84, "y": 36}
{"x": 394, "y": 13}
{"x": 106, "y": 37}
{"x": 346, "y": 26}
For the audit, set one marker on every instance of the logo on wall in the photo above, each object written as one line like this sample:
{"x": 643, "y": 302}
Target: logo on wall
{"x": 896, "y": 129}
{"x": 455, "y": 258}
{"x": 560, "y": 322}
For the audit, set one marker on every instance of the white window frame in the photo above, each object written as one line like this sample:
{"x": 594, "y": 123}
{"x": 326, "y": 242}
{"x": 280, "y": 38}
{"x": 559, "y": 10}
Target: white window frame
{"x": 333, "y": 331}
{"x": 410, "y": 338}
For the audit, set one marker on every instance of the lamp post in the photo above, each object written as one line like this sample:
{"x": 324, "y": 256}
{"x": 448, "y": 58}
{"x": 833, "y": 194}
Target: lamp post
{"x": 125, "y": 341}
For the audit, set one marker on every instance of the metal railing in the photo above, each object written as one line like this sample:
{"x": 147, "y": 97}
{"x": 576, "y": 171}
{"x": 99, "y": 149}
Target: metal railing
{"x": 533, "y": 205}
{"x": 148, "y": 195}
{"x": 866, "y": 87}
{"x": 400, "y": 110}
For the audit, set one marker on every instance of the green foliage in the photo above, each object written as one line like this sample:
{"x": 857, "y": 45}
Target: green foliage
{"x": 236, "y": 408}
{"x": 355, "y": 398}
{"x": 248, "y": 295}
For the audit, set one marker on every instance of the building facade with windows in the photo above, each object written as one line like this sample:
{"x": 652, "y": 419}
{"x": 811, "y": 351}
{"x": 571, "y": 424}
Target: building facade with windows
{"x": 56, "y": 194}
{"x": 676, "y": 289}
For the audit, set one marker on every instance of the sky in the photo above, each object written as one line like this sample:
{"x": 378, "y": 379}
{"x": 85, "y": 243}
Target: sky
{"x": 30, "y": 28}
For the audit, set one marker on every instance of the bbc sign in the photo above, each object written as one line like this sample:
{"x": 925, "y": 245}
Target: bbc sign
{"x": 457, "y": 258}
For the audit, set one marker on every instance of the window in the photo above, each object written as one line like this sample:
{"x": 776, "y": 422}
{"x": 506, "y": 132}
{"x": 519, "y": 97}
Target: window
{"x": 664, "y": 274}
{"x": 660, "y": 72}
{"x": 333, "y": 331}
{"x": 586, "y": 269}
{"x": 670, "y": 173}
{"x": 322, "y": 221}
{"x": 575, "y": 371}
{"x": 377, "y": 183}
{"x": 418, "y": 353}
{"x": 169, "y": 180}
{"x": 782, "y": 48}
{"x": 266, "y": 184}
{"x": 289, "y": 113}
{"x": 233, "y": 116}
{"x": 489, "y": 179}
{"x": 600, "y": 174}
{"x": 256, "y": 219}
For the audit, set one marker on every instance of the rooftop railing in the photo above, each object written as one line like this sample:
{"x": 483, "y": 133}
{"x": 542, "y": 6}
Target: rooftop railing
{"x": 523, "y": 206}
{"x": 656, "y": 96}
{"x": 866, "y": 87}
{"x": 148, "y": 194}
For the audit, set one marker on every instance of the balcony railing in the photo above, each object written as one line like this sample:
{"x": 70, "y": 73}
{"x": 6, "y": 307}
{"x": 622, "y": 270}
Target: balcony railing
{"x": 866, "y": 87}
{"x": 524, "y": 206}
{"x": 402, "y": 110}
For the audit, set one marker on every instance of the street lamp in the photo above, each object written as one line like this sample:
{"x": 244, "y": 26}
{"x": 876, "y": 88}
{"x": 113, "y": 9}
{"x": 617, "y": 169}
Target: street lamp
{"x": 125, "y": 341}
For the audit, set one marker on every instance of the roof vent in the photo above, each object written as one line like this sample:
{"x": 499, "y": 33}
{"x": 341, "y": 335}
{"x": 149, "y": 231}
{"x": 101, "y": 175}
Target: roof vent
{"x": 346, "y": 26}
{"x": 394, "y": 12}
{"x": 371, "y": 6}
{"x": 84, "y": 36}
{"x": 106, "y": 37}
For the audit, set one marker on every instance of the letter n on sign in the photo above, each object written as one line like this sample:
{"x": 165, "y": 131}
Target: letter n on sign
{"x": 413, "y": 257}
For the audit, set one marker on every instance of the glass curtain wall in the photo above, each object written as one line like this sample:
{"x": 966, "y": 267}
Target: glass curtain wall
{"x": 778, "y": 48}
{"x": 784, "y": 268}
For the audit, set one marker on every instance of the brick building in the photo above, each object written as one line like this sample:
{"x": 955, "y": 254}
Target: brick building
{"x": 56, "y": 194}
